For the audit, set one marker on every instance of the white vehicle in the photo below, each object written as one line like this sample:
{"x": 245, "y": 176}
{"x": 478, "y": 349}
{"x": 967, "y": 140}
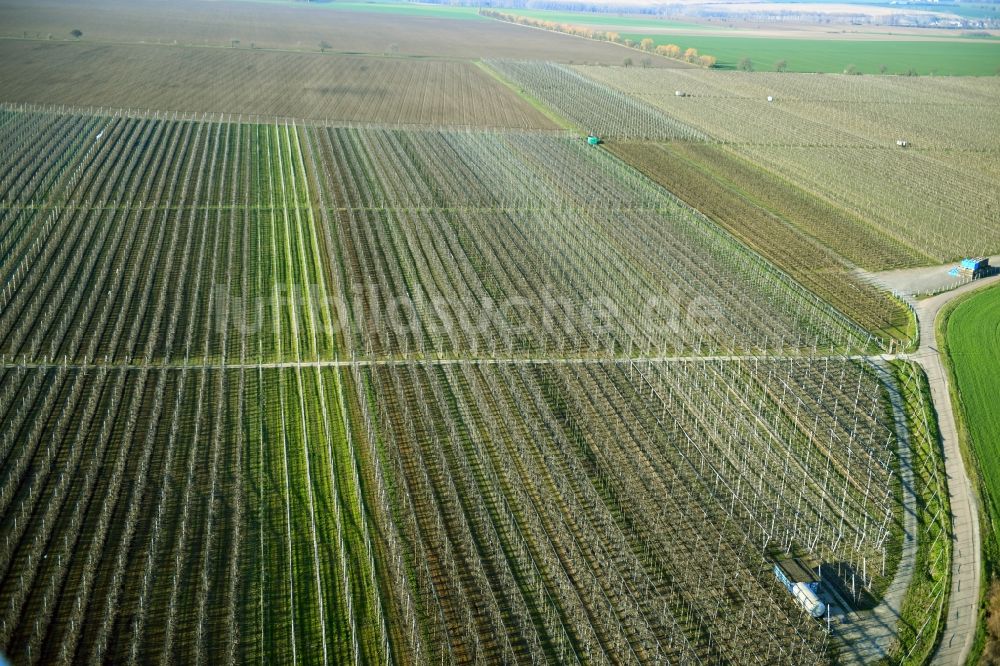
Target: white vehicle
{"x": 808, "y": 599}
{"x": 802, "y": 584}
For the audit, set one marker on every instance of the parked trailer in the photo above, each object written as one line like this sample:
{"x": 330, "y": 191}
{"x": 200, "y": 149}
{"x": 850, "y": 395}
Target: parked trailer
{"x": 802, "y": 584}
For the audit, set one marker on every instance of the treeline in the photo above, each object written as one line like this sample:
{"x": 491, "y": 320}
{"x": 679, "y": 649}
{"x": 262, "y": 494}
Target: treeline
{"x": 646, "y": 45}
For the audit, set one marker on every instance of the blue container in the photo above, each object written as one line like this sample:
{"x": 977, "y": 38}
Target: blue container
{"x": 974, "y": 264}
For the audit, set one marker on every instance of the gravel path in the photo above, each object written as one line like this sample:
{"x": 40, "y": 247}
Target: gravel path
{"x": 963, "y": 605}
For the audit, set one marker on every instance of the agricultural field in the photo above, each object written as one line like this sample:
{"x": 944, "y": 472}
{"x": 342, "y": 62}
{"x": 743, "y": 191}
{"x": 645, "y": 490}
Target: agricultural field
{"x": 350, "y": 28}
{"x": 974, "y": 353}
{"x": 367, "y": 355}
{"x": 533, "y": 244}
{"x": 834, "y": 137}
{"x": 384, "y": 90}
{"x": 105, "y": 237}
{"x": 832, "y": 55}
{"x": 247, "y": 414}
{"x": 785, "y": 226}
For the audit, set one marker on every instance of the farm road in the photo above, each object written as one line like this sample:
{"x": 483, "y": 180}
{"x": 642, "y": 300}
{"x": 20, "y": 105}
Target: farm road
{"x": 334, "y": 363}
{"x": 926, "y": 280}
{"x": 963, "y": 605}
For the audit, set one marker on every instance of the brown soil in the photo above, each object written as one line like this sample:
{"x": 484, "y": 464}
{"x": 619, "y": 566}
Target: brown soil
{"x": 267, "y": 83}
{"x": 275, "y": 26}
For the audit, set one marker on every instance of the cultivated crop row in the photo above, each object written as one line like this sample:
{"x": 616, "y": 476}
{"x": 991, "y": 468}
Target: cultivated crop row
{"x": 270, "y": 83}
{"x": 591, "y": 106}
{"x": 535, "y": 263}
{"x": 148, "y": 200}
{"x": 836, "y": 136}
{"x": 946, "y": 112}
{"x": 600, "y": 511}
{"x": 779, "y": 221}
{"x": 935, "y": 208}
{"x": 197, "y": 513}
{"x": 278, "y": 394}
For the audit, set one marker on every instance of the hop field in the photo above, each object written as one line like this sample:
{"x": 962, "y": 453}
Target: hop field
{"x": 834, "y": 136}
{"x": 565, "y": 249}
{"x": 281, "y": 394}
{"x": 597, "y": 108}
{"x": 772, "y": 217}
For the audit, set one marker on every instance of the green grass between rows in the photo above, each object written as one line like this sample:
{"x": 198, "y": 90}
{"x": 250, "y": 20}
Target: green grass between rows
{"x": 922, "y": 614}
{"x": 972, "y": 329}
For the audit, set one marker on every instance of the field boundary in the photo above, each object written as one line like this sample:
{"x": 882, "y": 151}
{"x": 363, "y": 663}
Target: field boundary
{"x": 259, "y": 119}
{"x": 984, "y": 503}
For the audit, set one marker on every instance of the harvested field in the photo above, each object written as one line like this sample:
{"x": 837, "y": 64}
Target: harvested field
{"x": 779, "y": 221}
{"x": 295, "y": 26}
{"x": 313, "y": 86}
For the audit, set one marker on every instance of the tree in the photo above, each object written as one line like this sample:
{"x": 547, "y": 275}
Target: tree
{"x": 77, "y": 33}
{"x": 647, "y": 62}
{"x": 707, "y": 61}
{"x": 746, "y": 65}
{"x": 323, "y": 46}
{"x": 234, "y": 43}
{"x": 882, "y": 68}
{"x": 646, "y": 44}
{"x": 630, "y": 43}
{"x": 781, "y": 66}
{"x": 851, "y": 69}
{"x": 627, "y": 62}
{"x": 669, "y": 50}
{"x": 691, "y": 55}
{"x": 613, "y": 37}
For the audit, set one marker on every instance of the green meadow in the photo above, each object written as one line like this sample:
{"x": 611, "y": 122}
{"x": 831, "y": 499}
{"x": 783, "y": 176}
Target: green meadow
{"x": 965, "y": 58}
{"x": 973, "y": 342}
